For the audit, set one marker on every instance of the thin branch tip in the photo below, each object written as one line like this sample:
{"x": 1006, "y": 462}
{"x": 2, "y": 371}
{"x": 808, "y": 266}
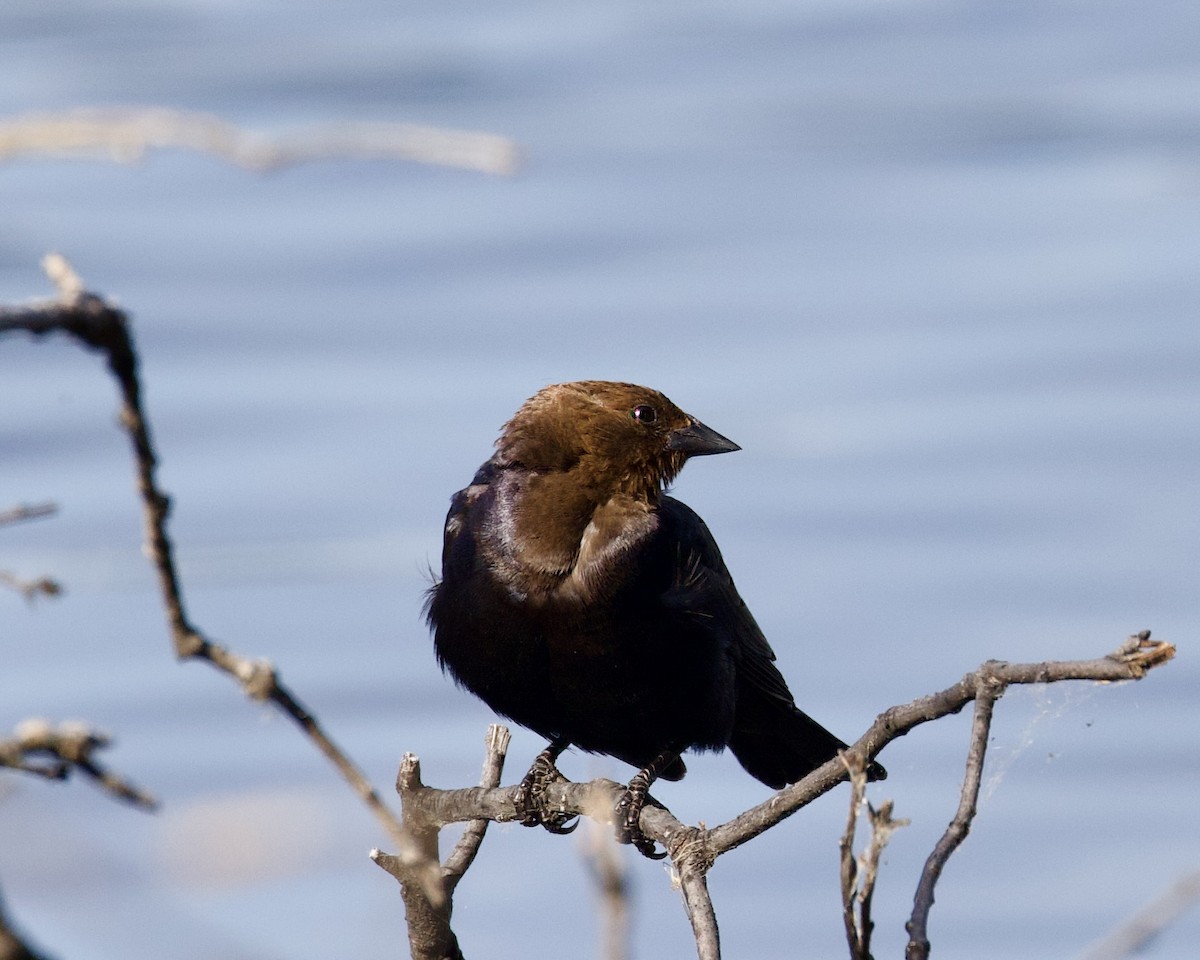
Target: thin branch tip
{"x": 51, "y": 752}
{"x": 498, "y": 738}
{"x": 127, "y": 134}
{"x": 1142, "y": 654}
{"x": 62, "y": 274}
{"x": 428, "y": 884}
{"x": 408, "y": 777}
{"x": 98, "y": 325}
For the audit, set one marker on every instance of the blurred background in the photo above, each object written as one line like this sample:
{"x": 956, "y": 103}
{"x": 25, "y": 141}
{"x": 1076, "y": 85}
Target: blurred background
{"x": 932, "y": 264}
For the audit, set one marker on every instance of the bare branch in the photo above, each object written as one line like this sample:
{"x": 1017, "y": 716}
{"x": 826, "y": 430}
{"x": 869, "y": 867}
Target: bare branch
{"x": 426, "y": 884}
{"x": 985, "y": 699}
{"x": 859, "y": 874}
{"x": 882, "y": 827}
{"x": 463, "y": 855}
{"x": 125, "y": 134}
{"x": 596, "y": 799}
{"x": 692, "y": 858}
{"x": 426, "y": 887}
{"x": 31, "y": 589}
{"x": 23, "y": 511}
{"x": 38, "y": 748}
{"x": 427, "y": 905}
{"x": 99, "y": 325}
{"x": 610, "y": 876}
{"x": 849, "y": 864}
{"x": 693, "y": 850}
{"x": 12, "y": 945}
{"x": 1132, "y": 935}
{"x": 1131, "y": 661}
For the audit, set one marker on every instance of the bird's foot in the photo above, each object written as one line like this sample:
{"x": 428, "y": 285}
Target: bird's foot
{"x": 530, "y": 800}
{"x": 629, "y": 814}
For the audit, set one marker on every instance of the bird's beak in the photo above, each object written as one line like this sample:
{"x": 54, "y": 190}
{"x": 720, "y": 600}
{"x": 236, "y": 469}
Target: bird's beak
{"x": 697, "y": 440}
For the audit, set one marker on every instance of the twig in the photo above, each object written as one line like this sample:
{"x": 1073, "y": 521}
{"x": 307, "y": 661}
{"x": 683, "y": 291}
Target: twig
{"x": 31, "y": 589}
{"x": 693, "y": 850}
{"x": 38, "y": 748}
{"x": 427, "y": 905}
{"x": 917, "y": 926}
{"x": 610, "y": 876}
{"x": 463, "y": 854}
{"x": 859, "y": 874}
{"x": 98, "y": 325}
{"x": 849, "y": 864}
{"x": 1132, "y": 935}
{"x": 426, "y": 884}
{"x": 1131, "y": 661}
{"x": 125, "y": 134}
{"x": 426, "y": 888}
{"x": 692, "y": 858}
{"x": 22, "y": 512}
{"x": 882, "y": 827}
{"x": 12, "y": 945}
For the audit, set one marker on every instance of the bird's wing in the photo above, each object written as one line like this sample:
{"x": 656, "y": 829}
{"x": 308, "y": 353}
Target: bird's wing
{"x": 702, "y": 587}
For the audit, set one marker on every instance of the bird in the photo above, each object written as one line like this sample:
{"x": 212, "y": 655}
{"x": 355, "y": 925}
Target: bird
{"x": 578, "y": 599}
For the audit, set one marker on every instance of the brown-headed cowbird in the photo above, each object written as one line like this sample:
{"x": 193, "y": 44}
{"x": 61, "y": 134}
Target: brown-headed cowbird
{"x": 579, "y": 600}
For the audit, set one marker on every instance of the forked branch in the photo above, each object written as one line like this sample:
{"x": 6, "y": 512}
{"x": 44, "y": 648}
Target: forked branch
{"x": 98, "y": 325}
{"x": 127, "y": 134}
{"x": 427, "y": 884}
{"x": 694, "y": 850}
{"x": 55, "y": 752}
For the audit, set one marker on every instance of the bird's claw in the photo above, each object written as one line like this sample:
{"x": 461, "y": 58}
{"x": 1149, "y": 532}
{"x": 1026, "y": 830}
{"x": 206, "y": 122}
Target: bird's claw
{"x": 629, "y": 814}
{"x": 560, "y": 823}
{"x": 530, "y": 800}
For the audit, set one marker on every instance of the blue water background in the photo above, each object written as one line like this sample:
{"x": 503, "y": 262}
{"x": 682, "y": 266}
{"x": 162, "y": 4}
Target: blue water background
{"x": 932, "y": 264}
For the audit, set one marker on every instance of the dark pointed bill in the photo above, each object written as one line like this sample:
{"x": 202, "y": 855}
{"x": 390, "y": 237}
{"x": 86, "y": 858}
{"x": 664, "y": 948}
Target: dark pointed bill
{"x": 697, "y": 440}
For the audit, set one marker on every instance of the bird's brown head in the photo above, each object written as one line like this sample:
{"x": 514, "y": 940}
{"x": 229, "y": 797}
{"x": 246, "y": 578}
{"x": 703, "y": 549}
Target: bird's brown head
{"x": 617, "y": 437}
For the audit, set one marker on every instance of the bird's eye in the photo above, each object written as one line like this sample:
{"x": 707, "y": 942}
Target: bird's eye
{"x": 644, "y": 413}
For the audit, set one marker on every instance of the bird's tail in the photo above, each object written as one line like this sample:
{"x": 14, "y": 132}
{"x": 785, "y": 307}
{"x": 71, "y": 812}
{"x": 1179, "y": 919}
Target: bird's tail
{"x": 778, "y": 744}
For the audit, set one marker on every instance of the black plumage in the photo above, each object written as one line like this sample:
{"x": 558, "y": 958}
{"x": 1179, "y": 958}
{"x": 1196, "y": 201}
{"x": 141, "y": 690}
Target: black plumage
{"x": 579, "y": 600}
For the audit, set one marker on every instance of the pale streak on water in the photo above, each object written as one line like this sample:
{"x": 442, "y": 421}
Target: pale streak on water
{"x": 933, "y": 265}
